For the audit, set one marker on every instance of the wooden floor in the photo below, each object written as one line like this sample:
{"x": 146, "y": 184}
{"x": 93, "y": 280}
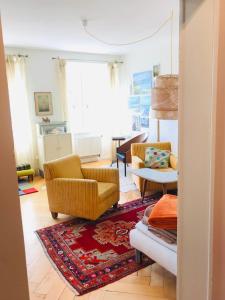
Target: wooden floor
{"x": 151, "y": 283}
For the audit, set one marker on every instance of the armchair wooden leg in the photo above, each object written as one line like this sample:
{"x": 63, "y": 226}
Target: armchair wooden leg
{"x": 54, "y": 215}
{"x": 125, "y": 168}
{"x": 115, "y": 205}
{"x": 117, "y": 163}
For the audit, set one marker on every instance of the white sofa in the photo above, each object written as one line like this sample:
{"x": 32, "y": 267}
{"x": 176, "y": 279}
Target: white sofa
{"x": 157, "y": 249}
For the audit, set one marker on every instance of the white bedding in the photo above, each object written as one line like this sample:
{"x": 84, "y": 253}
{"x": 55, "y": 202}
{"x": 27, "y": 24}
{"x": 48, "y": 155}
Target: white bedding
{"x": 144, "y": 229}
{"x": 158, "y": 250}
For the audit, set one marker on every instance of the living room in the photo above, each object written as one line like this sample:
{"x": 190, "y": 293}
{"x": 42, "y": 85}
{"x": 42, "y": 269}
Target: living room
{"x": 94, "y": 79}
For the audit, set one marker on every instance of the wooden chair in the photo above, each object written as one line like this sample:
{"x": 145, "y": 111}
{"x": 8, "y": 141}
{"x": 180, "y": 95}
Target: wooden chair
{"x": 123, "y": 152}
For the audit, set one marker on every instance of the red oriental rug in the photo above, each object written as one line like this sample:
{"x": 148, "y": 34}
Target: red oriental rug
{"x": 92, "y": 254}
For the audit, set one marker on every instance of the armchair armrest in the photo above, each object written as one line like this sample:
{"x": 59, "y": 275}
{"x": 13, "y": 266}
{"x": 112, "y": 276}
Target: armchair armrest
{"x": 173, "y": 161}
{"x": 71, "y": 191}
{"x": 102, "y": 174}
{"x": 137, "y": 163}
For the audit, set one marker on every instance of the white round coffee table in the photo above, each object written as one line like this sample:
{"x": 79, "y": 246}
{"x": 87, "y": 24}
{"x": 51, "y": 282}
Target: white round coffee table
{"x": 155, "y": 176}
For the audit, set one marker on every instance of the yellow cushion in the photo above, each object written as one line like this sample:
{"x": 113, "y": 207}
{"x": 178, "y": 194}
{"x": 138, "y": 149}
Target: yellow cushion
{"x": 25, "y": 172}
{"x": 105, "y": 189}
{"x": 67, "y": 167}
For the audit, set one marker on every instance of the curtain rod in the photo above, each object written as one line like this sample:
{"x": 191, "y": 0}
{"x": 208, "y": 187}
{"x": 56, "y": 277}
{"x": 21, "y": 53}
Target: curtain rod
{"x": 84, "y": 60}
{"x": 19, "y": 55}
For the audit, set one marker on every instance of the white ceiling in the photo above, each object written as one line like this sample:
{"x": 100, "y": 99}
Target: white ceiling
{"x": 54, "y": 24}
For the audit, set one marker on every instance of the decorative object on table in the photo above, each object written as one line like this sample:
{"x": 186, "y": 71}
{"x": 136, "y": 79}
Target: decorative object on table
{"x": 156, "y": 70}
{"x": 51, "y": 127}
{"x": 45, "y": 120}
{"x": 25, "y": 188}
{"x": 43, "y": 103}
{"x": 123, "y": 152}
{"x": 138, "y": 162}
{"x": 81, "y": 192}
{"x": 90, "y": 255}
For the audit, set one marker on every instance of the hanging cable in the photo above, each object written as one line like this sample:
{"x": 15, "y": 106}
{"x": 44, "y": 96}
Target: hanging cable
{"x": 171, "y": 41}
{"x": 85, "y": 25}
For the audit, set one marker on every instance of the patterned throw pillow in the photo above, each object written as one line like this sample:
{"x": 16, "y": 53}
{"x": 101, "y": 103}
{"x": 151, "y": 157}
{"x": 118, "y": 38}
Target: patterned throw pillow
{"x": 156, "y": 158}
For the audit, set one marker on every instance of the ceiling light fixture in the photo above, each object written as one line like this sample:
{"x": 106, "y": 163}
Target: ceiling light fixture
{"x": 84, "y": 23}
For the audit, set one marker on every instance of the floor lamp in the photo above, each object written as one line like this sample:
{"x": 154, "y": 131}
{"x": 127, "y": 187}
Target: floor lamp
{"x": 164, "y": 99}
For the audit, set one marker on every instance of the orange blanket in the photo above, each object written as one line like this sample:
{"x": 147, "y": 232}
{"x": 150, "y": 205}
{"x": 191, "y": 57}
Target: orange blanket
{"x": 164, "y": 213}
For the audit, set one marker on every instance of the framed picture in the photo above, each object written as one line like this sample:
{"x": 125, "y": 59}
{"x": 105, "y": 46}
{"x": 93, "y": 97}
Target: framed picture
{"x": 142, "y": 82}
{"x": 43, "y": 103}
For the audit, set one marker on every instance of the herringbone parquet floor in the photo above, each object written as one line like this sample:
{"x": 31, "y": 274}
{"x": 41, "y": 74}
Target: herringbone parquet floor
{"x": 151, "y": 283}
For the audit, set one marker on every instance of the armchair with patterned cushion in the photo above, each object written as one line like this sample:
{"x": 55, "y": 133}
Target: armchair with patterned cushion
{"x": 138, "y": 158}
{"x": 81, "y": 192}
{"x": 123, "y": 152}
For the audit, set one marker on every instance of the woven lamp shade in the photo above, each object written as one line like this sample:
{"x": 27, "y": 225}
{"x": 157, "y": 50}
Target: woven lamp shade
{"x": 165, "y": 98}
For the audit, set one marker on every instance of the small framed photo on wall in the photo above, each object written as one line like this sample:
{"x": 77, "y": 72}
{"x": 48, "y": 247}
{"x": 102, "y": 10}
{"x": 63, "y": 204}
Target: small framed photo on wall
{"x": 43, "y": 103}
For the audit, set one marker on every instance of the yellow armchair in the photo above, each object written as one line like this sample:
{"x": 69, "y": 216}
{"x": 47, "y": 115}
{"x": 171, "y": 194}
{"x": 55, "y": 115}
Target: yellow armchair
{"x": 80, "y": 192}
{"x": 138, "y": 157}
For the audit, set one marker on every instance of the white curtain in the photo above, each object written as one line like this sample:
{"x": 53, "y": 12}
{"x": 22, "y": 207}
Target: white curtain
{"x": 19, "y": 107}
{"x": 61, "y": 74}
{"x": 90, "y": 101}
{"x": 119, "y": 100}
{"x": 120, "y": 105}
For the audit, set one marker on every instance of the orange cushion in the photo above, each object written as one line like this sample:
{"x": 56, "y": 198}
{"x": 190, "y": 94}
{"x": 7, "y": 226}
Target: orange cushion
{"x": 164, "y": 213}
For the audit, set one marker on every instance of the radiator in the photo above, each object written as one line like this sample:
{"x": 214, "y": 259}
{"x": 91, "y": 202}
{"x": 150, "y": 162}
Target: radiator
{"x": 87, "y": 146}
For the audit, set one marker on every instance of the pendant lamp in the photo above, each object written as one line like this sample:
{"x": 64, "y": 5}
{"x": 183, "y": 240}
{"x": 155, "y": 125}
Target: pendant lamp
{"x": 164, "y": 99}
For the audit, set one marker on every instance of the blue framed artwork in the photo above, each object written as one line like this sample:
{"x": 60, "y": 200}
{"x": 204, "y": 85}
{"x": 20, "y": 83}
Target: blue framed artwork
{"x": 145, "y": 102}
{"x": 142, "y": 83}
{"x": 134, "y": 103}
{"x": 144, "y": 121}
{"x": 136, "y": 122}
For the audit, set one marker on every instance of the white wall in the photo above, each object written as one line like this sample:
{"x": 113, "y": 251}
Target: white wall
{"x": 155, "y": 51}
{"x": 42, "y": 76}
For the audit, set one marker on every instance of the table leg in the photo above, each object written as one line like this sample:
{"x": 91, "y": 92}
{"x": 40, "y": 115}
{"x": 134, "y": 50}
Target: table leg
{"x": 164, "y": 186}
{"x": 144, "y": 189}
